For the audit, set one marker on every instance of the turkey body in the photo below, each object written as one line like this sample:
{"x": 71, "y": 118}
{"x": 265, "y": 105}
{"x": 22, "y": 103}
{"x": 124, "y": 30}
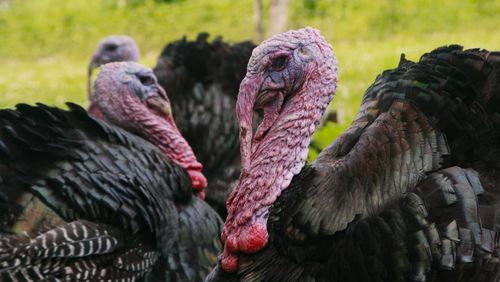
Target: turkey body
{"x": 83, "y": 200}
{"x": 409, "y": 192}
{"x": 202, "y": 78}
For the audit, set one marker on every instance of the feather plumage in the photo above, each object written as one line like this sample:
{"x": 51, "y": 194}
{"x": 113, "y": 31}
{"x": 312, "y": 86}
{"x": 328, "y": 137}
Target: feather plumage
{"x": 97, "y": 202}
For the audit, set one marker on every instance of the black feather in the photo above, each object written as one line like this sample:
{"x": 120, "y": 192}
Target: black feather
{"x": 202, "y": 79}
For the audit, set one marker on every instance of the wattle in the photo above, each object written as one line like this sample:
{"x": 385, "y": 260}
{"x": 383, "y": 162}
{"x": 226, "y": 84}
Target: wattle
{"x": 250, "y": 241}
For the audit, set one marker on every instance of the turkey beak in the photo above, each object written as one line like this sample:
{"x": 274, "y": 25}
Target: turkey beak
{"x": 270, "y": 102}
{"x": 158, "y": 102}
{"x": 250, "y": 88}
{"x": 92, "y": 65}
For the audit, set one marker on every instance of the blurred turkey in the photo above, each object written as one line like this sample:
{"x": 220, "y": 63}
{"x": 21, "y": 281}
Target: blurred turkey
{"x": 203, "y": 79}
{"x": 82, "y": 199}
{"x": 409, "y": 192}
{"x": 114, "y": 48}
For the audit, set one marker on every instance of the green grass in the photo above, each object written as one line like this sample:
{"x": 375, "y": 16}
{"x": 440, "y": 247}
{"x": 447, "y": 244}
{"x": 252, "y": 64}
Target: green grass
{"x": 45, "y": 44}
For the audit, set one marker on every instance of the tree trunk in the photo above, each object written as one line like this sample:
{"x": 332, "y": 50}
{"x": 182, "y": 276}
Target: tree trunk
{"x": 278, "y": 16}
{"x": 259, "y": 26}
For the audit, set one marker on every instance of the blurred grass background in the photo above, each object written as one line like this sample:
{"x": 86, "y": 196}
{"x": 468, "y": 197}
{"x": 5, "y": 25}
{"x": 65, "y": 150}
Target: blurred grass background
{"x": 45, "y": 44}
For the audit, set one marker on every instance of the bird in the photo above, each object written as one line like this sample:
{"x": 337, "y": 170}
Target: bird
{"x": 113, "y": 48}
{"x": 409, "y": 192}
{"x": 202, "y": 79}
{"x": 87, "y": 199}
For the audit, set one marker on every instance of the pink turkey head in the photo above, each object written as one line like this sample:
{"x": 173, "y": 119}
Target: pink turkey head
{"x": 129, "y": 96}
{"x": 291, "y": 77}
{"x": 114, "y": 48}
{"x": 281, "y": 67}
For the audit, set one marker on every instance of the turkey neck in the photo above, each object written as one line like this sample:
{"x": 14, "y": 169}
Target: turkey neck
{"x": 169, "y": 140}
{"x": 274, "y": 160}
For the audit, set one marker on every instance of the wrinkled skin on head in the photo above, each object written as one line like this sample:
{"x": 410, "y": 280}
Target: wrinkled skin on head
{"x": 291, "y": 77}
{"x": 129, "y": 96}
{"x": 278, "y": 68}
{"x": 114, "y": 48}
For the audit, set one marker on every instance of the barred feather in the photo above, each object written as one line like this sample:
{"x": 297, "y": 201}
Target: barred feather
{"x": 75, "y": 239}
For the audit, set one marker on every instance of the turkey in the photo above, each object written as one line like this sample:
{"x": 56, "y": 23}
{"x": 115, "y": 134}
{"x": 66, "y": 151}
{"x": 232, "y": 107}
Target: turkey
{"x": 114, "y": 48}
{"x": 202, "y": 78}
{"x": 82, "y": 199}
{"x": 409, "y": 192}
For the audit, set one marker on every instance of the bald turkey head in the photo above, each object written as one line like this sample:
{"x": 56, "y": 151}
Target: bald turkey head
{"x": 114, "y": 48}
{"x": 129, "y": 96}
{"x": 291, "y": 77}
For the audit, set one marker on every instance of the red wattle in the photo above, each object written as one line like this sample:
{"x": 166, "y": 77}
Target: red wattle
{"x": 229, "y": 261}
{"x": 231, "y": 244}
{"x": 250, "y": 241}
{"x": 198, "y": 180}
{"x": 201, "y": 195}
{"x": 253, "y": 239}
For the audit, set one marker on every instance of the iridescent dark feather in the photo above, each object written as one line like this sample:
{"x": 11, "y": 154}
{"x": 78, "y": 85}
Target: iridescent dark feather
{"x": 409, "y": 192}
{"x": 202, "y": 78}
{"x": 83, "y": 200}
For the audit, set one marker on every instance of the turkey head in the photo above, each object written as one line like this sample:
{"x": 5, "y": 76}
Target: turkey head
{"x": 139, "y": 104}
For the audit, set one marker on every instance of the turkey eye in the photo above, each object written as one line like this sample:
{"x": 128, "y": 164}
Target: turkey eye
{"x": 110, "y": 47}
{"x": 278, "y": 63}
{"x": 146, "y": 80}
